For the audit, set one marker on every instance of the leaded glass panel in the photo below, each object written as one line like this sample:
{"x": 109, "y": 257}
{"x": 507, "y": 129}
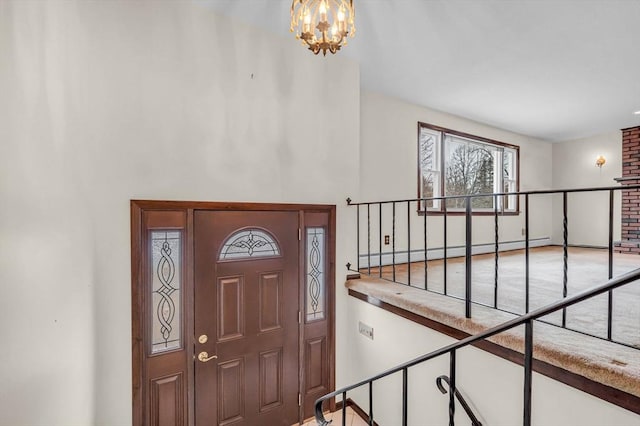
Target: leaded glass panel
{"x": 249, "y": 244}
{"x": 315, "y": 285}
{"x": 166, "y": 262}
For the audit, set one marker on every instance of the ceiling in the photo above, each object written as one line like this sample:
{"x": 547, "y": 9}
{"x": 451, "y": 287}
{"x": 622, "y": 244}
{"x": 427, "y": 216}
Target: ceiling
{"x": 552, "y": 69}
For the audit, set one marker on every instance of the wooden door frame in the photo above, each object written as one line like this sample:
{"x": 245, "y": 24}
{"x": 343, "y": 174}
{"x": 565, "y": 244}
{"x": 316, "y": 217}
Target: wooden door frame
{"x": 140, "y": 383}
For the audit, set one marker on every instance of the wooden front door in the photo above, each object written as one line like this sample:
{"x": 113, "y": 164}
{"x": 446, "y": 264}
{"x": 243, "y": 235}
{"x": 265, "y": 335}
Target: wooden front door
{"x": 246, "y": 277}
{"x": 218, "y": 290}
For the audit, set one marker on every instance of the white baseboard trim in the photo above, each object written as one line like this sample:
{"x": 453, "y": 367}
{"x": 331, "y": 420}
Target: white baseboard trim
{"x": 455, "y": 251}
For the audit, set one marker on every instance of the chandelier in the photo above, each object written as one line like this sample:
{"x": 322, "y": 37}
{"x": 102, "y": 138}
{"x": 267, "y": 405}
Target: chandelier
{"x": 323, "y": 24}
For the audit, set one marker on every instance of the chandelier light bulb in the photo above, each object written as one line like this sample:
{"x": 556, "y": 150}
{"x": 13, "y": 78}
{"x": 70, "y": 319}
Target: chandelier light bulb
{"x": 323, "y": 25}
{"x": 306, "y": 27}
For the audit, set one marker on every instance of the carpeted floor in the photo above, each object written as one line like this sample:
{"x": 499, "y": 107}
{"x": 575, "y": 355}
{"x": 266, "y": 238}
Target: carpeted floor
{"x": 586, "y": 268}
{"x": 602, "y": 361}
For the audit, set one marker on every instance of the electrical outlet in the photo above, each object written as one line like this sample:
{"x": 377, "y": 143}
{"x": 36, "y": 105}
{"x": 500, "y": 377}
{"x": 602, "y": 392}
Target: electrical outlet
{"x": 365, "y": 330}
{"x": 524, "y": 232}
{"x": 386, "y": 240}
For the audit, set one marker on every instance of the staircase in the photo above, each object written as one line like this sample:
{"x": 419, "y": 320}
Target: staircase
{"x": 526, "y": 320}
{"x": 405, "y": 275}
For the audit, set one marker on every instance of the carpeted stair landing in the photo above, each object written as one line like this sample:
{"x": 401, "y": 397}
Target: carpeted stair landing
{"x": 611, "y": 364}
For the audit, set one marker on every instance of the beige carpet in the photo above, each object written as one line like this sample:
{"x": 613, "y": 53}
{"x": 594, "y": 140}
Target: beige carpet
{"x": 587, "y": 268}
{"x": 599, "y": 360}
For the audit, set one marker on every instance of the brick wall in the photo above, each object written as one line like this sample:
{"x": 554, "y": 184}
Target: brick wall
{"x": 630, "y": 242}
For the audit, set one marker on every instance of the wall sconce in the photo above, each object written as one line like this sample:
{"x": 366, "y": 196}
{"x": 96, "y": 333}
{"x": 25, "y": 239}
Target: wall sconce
{"x": 600, "y": 161}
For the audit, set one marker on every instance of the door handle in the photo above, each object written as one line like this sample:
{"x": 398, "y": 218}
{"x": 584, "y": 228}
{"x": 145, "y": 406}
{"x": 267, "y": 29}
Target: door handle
{"x": 204, "y": 357}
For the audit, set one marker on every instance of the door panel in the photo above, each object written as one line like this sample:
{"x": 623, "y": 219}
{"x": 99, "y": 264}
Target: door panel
{"x": 166, "y": 401}
{"x": 230, "y": 310}
{"x": 315, "y": 362}
{"x": 271, "y": 379}
{"x": 270, "y": 301}
{"x": 231, "y": 391}
{"x": 246, "y": 303}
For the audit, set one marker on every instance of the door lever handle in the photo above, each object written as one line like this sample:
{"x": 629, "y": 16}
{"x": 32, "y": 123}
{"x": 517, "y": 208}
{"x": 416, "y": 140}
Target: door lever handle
{"x": 204, "y": 356}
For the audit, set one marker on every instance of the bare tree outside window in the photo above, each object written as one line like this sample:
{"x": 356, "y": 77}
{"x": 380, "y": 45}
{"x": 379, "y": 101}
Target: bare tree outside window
{"x": 428, "y": 168}
{"x": 452, "y": 163}
{"x": 469, "y": 170}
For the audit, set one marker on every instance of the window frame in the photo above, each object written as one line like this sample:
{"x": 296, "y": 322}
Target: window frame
{"x": 441, "y": 208}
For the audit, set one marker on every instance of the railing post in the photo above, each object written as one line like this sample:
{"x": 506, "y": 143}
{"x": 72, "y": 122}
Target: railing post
{"x": 528, "y": 363}
{"x": 565, "y": 255}
{"x": 610, "y": 300}
{"x": 380, "y": 242}
{"x": 526, "y": 253}
{"x": 405, "y": 396}
{"x": 468, "y": 241}
{"x": 452, "y": 388}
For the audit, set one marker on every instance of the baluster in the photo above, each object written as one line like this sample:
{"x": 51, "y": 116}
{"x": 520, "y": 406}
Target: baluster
{"x": 393, "y": 240}
{"x": 528, "y": 362}
{"x": 610, "y": 300}
{"x": 409, "y": 243}
{"x": 380, "y": 235}
{"x": 565, "y": 255}
{"x": 526, "y": 253}
{"x": 444, "y": 249}
{"x": 369, "y": 239}
{"x": 496, "y": 248}
{"x": 424, "y": 218}
{"x": 405, "y": 403}
{"x": 371, "y": 404}
{"x": 344, "y": 408}
{"x": 468, "y": 244}
{"x": 358, "y": 235}
{"x": 452, "y": 388}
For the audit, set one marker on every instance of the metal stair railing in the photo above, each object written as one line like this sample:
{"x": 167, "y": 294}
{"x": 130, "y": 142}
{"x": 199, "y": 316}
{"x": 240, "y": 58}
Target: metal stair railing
{"x": 418, "y": 205}
{"x": 463, "y": 402}
{"x": 526, "y": 320}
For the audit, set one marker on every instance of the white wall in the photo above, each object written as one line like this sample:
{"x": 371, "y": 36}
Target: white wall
{"x": 388, "y": 171}
{"x": 491, "y": 385}
{"x": 574, "y": 167}
{"x": 103, "y": 102}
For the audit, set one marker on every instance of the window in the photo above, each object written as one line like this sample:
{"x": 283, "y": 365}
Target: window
{"x": 166, "y": 273}
{"x": 315, "y": 288}
{"x": 249, "y": 243}
{"x": 452, "y": 163}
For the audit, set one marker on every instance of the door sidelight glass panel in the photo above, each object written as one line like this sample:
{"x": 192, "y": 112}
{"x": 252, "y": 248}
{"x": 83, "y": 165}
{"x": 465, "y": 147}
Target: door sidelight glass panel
{"x": 166, "y": 273}
{"x": 315, "y": 274}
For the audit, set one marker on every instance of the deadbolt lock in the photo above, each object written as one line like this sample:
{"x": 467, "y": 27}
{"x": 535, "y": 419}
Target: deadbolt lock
{"x": 203, "y": 338}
